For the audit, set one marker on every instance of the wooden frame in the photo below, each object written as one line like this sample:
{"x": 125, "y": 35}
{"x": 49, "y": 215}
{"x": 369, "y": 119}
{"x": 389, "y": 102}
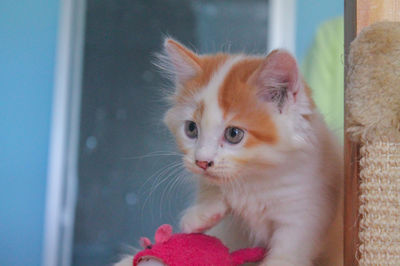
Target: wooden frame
{"x": 351, "y": 151}
{"x": 358, "y": 14}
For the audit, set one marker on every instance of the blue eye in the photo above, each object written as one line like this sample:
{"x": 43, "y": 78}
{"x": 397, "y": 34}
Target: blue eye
{"x": 234, "y": 135}
{"x": 191, "y": 129}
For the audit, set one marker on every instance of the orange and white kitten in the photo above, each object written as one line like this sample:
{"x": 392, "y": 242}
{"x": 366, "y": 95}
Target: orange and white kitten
{"x": 264, "y": 158}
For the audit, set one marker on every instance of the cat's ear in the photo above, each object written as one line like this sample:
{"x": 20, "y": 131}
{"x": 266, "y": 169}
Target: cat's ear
{"x": 277, "y": 80}
{"x": 178, "y": 61}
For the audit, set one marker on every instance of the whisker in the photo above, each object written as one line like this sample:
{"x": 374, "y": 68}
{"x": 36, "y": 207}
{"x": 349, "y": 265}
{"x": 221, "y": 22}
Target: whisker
{"x": 172, "y": 168}
{"x": 168, "y": 189}
{"x": 158, "y": 172}
{"x": 153, "y": 154}
{"x": 158, "y": 175}
{"x": 171, "y": 181}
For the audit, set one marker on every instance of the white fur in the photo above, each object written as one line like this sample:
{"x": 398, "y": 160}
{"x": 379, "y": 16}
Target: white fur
{"x": 150, "y": 262}
{"x": 289, "y": 208}
{"x": 126, "y": 261}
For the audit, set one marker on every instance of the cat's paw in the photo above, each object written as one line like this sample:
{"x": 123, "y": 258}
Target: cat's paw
{"x": 150, "y": 262}
{"x": 198, "y": 219}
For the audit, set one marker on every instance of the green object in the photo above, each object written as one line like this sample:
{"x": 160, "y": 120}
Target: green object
{"x": 323, "y": 70}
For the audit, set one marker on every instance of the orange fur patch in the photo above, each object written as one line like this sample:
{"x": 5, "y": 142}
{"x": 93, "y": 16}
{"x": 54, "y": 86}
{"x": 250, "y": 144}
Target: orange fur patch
{"x": 208, "y": 65}
{"x": 181, "y": 146}
{"x": 238, "y": 99}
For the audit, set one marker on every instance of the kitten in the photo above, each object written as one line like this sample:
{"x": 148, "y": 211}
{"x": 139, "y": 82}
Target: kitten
{"x": 250, "y": 131}
{"x": 266, "y": 163}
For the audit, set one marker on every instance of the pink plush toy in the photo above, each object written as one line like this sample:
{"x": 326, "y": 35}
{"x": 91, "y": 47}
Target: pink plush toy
{"x": 191, "y": 250}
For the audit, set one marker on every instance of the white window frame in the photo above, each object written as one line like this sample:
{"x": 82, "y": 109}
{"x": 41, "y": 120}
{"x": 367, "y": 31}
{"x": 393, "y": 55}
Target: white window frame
{"x": 282, "y": 25}
{"x": 64, "y": 136}
{"x": 62, "y": 176}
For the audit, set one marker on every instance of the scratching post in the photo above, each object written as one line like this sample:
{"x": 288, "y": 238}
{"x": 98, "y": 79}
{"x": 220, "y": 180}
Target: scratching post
{"x": 379, "y": 204}
{"x": 373, "y": 120}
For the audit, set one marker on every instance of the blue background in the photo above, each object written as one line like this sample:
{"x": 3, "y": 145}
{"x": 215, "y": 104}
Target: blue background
{"x": 28, "y": 33}
{"x": 310, "y": 14}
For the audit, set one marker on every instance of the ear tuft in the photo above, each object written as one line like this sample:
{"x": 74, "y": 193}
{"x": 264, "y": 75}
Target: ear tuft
{"x": 163, "y": 233}
{"x": 277, "y": 79}
{"x": 178, "y": 61}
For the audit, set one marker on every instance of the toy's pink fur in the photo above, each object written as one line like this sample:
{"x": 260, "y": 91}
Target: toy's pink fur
{"x": 191, "y": 250}
{"x": 163, "y": 233}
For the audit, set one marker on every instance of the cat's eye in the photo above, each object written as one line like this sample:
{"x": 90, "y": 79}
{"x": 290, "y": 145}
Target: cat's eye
{"x": 234, "y": 135}
{"x": 191, "y": 129}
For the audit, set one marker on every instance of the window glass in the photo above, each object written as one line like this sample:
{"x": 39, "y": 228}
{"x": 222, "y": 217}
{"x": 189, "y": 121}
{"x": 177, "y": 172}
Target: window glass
{"x": 130, "y": 179}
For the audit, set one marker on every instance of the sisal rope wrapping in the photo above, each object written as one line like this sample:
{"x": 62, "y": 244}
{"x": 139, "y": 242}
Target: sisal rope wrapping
{"x": 380, "y": 204}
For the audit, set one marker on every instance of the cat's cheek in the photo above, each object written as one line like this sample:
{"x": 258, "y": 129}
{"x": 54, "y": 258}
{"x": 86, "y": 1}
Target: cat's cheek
{"x": 181, "y": 146}
{"x": 185, "y": 145}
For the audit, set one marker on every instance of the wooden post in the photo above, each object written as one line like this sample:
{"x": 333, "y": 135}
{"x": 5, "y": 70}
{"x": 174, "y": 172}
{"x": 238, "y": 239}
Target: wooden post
{"x": 357, "y": 15}
{"x": 370, "y": 11}
{"x": 351, "y": 183}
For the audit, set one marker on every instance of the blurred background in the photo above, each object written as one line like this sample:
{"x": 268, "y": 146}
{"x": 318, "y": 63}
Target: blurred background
{"x": 86, "y": 166}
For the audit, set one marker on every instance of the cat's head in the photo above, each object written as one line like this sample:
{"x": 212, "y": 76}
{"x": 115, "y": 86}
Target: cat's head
{"x": 235, "y": 114}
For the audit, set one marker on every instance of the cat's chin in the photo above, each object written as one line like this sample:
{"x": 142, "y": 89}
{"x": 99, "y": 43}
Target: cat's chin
{"x": 209, "y": 176}
{"x": 206, "y": 176}
{"x": 214, "y": 179}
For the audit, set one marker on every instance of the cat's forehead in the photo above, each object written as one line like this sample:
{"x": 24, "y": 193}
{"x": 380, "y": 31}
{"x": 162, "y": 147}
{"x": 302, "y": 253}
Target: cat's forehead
{"x": 210, "y": 93}
{"x": 225, "y": 96}
{"x": 221, "y": 90}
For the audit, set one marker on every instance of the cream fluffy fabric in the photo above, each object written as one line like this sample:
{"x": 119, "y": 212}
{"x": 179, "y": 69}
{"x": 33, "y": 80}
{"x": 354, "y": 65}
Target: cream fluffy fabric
{"x": 373, "y": 82}
{"x": 372, "y": 117}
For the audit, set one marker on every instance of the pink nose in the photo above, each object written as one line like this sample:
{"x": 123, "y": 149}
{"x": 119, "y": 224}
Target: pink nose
{"x": 204, "y": 164}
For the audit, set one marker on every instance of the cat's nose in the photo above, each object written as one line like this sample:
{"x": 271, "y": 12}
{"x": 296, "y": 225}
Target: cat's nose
{"x": 204, "y": 164}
